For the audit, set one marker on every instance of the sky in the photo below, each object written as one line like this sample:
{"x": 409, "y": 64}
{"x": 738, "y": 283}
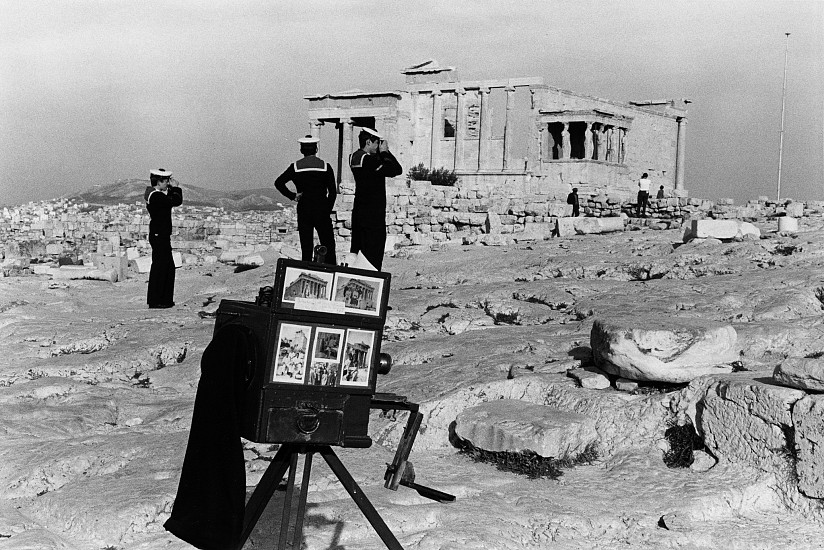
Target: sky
{"x": 93, "y": 91}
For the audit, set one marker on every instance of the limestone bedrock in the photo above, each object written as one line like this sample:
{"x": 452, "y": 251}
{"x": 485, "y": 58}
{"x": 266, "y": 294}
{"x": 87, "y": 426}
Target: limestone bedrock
{"x": 514, "y": 425}
{"x": 674, "y": 350}
{"x": 808, "y": 420}
{"x": 800, "y": 372}
{"x": 745, "y": 420}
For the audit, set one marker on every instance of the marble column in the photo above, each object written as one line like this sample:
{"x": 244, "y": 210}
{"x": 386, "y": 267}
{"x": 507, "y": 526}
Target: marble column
{"x": 587, "y": 141}
{"x": 460, "y": 129}
{"x": 533, "y": 147}
{"x": 602, "y": 141}
{"x": 565, "y": 148}
{"x": 622, "y": 145}
{"x": 610, "y": 157}
{"x": 314, "y": 128}
{"x": 349, "y": 147}
{"x": 680, "y": 152}
{"x": 484, "y": 128}
{"x": 339, "y": 126}
{"x": 437, "y": 129}
{"x": 542, "y": 131}
{"x": 508, "y": 122}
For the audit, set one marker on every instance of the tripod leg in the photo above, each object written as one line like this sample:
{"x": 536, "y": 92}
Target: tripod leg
{"x": 304, "y": 490}
{"x": 287, "y": 503}
{"x": 360, "y": 499}
{"x": 264, "y": 491}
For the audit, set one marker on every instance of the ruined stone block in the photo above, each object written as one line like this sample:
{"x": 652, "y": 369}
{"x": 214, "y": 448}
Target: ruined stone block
{"x": 587, "y": 225}
{"x": 565, "y": 227}
{"x": 787, "y": 224}
{"x": 514, "y": 426}
{"x": 719, "y": 229}
{"x": 672, "y": 350}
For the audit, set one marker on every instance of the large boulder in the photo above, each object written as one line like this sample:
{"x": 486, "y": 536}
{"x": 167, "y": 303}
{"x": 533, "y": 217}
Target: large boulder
{"x": 663, "y": 350}
{"x": 513, "y": 425}
{"x": 800, "y": 372}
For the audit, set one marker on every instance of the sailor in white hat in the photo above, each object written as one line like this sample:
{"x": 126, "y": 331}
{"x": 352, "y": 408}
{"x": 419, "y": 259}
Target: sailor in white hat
{"x": 315, "y": 193}
{"x": 161, "y": 196}
{"x": 371, "y": 165}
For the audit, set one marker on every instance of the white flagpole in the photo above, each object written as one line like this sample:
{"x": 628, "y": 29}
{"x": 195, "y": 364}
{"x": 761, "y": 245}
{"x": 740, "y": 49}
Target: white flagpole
{"x": 781, "y": 133}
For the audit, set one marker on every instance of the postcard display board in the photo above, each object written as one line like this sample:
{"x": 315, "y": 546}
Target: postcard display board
{"x": 314, "y": 354}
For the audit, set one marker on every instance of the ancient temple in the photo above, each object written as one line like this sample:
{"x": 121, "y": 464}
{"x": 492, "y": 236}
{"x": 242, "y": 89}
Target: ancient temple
{"x": 509, "y": 131}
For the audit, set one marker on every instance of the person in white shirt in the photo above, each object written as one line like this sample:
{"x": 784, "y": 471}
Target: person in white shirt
{"x": 643, "y": 195}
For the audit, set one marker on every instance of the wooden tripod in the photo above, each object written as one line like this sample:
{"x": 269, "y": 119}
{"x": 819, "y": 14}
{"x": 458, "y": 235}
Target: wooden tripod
{"x": 400, "y": 472}
{"x": 287, "y": 459}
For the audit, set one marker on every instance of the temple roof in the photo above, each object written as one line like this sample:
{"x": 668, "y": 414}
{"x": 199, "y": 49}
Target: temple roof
{"x": 427, "y": 67}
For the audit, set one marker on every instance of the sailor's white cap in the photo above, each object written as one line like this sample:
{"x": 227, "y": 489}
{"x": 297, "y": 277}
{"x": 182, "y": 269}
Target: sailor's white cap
{"x": 307, "y": 140}
{"x": 373, "y": 132}
{"x": 160, "y": 173}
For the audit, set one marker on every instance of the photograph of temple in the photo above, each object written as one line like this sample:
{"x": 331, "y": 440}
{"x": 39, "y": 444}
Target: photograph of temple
{"x": 356, "y": 293}
{"x": 306, "y": 285}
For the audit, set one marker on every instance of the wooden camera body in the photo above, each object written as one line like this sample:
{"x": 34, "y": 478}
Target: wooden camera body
{"x": 313, "y": 354}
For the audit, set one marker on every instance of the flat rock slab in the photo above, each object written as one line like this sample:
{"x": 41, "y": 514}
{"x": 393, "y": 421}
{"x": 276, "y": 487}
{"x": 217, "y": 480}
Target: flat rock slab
{"x": 674, "y": 350}
{"x": 808, "y": 420}
{"x": 801, "y": 372}
{"x": 590, "y": 226}
{"x": 724, "y": 230}
{"x": 513, "y": 425}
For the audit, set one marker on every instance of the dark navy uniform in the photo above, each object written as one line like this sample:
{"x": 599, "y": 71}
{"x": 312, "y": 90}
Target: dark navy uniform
{"x": 314, "y": 179}
{"x": 369, "y": 209}
{"x": 162, "y": 273}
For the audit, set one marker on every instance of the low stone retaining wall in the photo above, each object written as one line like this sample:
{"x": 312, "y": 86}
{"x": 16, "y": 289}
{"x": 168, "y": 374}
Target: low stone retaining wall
{"x": 421, "y": 213}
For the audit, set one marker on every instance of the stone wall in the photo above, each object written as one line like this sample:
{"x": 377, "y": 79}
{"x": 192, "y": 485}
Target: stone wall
{"x": 418, "y": 213}
{"x": 421, "y": 213}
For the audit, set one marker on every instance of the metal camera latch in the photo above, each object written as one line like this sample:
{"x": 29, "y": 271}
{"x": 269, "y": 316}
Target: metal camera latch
{"x": 308, "y": 420}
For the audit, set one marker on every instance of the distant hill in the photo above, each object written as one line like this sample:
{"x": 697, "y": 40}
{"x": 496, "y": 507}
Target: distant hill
{"x": 129, "y": 191}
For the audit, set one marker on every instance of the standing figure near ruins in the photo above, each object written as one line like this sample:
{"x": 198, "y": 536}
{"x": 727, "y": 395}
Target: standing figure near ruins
{"x": 161, "y": 197}
{"x": 643, "y": 195}
{"x": 371, "y": 165}
{"x": 660, "y": 194}
{"x": 315, "y": 193}
{"x": 572, "y": 199}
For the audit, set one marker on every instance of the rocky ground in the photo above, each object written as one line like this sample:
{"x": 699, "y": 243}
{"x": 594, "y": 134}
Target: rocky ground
{"x": 96, "y": 396}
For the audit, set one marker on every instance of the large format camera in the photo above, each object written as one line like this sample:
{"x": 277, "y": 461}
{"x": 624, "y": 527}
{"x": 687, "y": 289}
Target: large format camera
{"x": 313, "y": 353}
